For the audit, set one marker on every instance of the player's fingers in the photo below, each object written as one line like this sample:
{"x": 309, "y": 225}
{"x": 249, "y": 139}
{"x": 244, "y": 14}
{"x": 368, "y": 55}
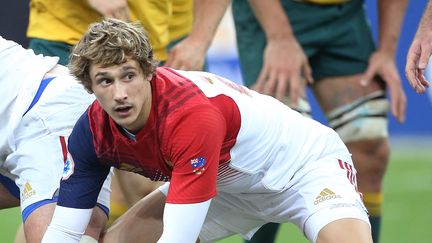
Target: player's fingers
{"x": 418, "y": 84}
{"x": 262, "y": 77}
{"x": 199, "y": 65}
{"x": 281, "y": 87}
{"x": 421, "y": 78}
{"x": 270, "y": 84}
{"x": 109, "y": 15}
{"x": 369, "y": 74}
{"x": 171, "y": 57}
{"x": 397, "y": 96}
{"x": 401, "y": 106}
{"x": 307, "y": 73}
{"x": 295, "y": 89}
{"x": 410, "y": 69}
{"x": 412, "y": 76}
{"x": 172, "y": 60}
{"x": 189, "y": 64}
{"x": 122, "y": 14}
{"x": 186, "y": 66}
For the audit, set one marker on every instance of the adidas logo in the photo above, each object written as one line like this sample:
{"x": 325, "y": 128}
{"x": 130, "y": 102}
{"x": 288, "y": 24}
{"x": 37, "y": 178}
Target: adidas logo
{"x": 28, "y": 191}
{"x": 325, "y": 195}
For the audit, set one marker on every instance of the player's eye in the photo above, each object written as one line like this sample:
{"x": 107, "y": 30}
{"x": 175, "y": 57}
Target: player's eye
{"x": 104, "y": 81}
{"x": 130, "y": 76}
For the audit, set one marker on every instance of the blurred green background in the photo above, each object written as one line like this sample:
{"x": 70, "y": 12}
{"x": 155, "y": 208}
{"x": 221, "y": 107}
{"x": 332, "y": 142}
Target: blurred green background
{"x": 407, "y": 206}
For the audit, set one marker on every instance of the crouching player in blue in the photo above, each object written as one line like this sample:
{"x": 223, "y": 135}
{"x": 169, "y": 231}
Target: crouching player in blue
{"x": 232, "y": 159}
{"x": 40, "y": 103}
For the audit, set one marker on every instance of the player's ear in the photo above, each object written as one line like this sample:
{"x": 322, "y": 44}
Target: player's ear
{"x": 149, "y": 77}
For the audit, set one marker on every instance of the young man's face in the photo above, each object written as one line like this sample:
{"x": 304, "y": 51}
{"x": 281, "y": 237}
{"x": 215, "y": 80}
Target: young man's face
{"x": 123, "y": 92}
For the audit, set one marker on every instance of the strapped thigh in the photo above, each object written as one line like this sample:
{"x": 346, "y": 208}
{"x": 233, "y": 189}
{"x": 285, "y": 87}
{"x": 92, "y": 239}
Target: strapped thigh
{"x": 364, "y": 118}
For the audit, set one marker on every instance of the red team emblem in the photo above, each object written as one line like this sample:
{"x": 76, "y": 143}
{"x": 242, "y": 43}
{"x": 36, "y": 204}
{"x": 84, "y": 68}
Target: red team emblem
{"x": 198, "y": 165}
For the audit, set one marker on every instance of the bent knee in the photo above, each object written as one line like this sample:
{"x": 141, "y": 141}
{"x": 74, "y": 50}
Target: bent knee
{"x": 347, "y": 230}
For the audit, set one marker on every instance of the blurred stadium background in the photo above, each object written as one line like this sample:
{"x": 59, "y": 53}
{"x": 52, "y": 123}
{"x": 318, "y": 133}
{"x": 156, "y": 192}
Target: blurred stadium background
{"x": 408, "y": 183}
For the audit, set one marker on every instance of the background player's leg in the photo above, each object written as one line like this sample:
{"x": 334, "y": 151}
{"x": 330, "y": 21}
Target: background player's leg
{"x": 134, "y": 186}
{"x": 267, "y": 233}
{"x": 19, "y": 236}
{"x": 118, "y": 203}
{"x": 7, "y": 200}
{"x": 127, "y": 189}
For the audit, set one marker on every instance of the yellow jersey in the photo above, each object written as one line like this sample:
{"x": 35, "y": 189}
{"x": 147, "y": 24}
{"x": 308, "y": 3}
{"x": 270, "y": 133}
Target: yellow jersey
{"x": 66, "y": 20}
{"x": 181, "y": 19}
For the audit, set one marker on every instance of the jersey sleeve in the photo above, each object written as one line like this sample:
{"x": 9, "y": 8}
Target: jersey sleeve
{"x": 194, "y": 147}
{"x": 83, "y": 175}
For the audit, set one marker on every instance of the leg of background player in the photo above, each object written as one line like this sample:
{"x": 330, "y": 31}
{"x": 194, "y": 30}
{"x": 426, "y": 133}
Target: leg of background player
{"x": 267, "y": 233}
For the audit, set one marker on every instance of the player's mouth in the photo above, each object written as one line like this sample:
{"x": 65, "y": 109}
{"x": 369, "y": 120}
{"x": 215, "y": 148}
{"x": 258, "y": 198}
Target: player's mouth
{"x": 123, "y": 110}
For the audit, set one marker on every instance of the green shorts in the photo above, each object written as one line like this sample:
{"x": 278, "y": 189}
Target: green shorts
{"x": 51, "y": 48}
{"x": 336, "y": 38}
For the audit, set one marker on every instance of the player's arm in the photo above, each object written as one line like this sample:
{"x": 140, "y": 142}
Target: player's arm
{"x": 194, "y": 151}
{"x": 382, "y": 62}
{"x": 419, "y": 53}
{"x": 189, "y": 54}
{"x": 80, "y": 186}
{"x": 180, "y": 225}
{"x": 280, "y": 74}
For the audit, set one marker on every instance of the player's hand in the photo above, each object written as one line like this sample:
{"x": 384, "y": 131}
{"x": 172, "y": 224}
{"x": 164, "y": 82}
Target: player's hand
{"x": 417, "y": 60}
{"x": 187, "y": 55}
{"x": 383, "y": 65}
{"x": 284, "y": 67}
{"x": 111, "y": 8}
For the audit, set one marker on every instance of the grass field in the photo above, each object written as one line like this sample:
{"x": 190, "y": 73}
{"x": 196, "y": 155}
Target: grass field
{"x": 407, "y": 207}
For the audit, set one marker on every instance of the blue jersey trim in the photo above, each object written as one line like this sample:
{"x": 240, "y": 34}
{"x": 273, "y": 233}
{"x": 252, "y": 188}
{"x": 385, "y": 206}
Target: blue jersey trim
{"x": 28, "y": 210}
{"x": 44, "y": 83}
{"x": 32, "y": 207}
{"x": 10, "y": 186}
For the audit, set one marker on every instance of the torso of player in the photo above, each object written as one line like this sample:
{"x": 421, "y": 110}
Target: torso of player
{"x": 259, "y": 134}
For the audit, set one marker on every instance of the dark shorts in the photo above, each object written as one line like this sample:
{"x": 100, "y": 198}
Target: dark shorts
{"x": 51, "y": 48}
{"x": 336, "y": 38}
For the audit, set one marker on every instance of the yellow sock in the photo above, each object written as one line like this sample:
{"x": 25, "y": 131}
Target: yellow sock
{"x": 116, "y": 210}
{"x": 373, "y": 202}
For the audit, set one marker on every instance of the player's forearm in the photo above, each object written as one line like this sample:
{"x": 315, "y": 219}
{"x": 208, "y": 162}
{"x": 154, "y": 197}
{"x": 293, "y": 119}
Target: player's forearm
{"x": 272, "y": 18}
{"x": 391, "y": 14}
{"x": 183, "y": 222}
{"x": 67, "y": 225}
{"x": 426, "y": 21}
{"x": 207, "y": 16}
